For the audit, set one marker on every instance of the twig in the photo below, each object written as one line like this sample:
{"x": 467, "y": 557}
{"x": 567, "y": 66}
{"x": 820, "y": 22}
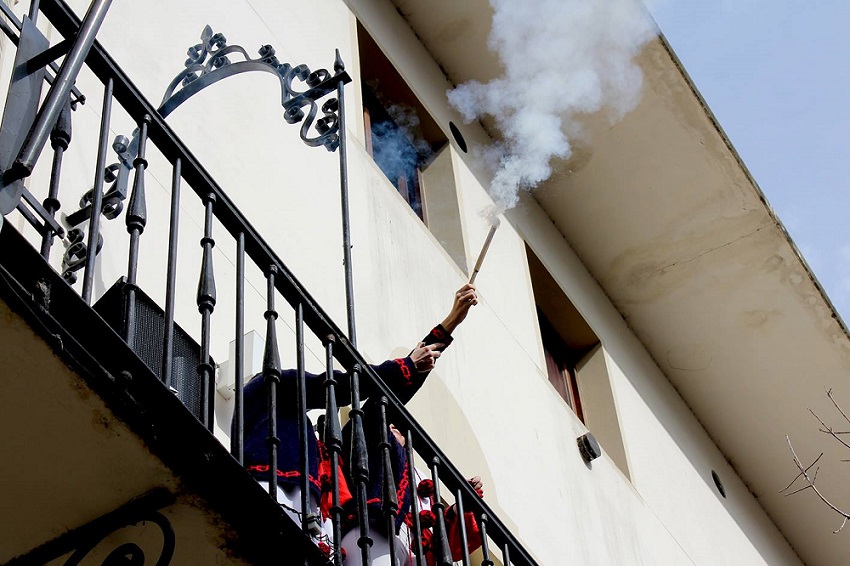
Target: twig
{"x": 828, "y": 429}
{"x": 802, "y": 472}
{"x": 837, "y": 406}
{"x": 811, "y": 481}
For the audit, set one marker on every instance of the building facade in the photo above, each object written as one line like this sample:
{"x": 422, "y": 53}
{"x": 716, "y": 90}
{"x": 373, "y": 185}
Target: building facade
{"x": 646, "y": 294}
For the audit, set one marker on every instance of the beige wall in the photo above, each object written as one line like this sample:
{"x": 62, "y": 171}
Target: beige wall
{"x": 489, "y": 404}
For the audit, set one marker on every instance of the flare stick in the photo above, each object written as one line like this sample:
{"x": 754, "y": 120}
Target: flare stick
{"x": 484, "y": 248}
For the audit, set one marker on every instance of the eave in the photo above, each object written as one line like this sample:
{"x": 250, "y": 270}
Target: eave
{"x": 666, "y": 217}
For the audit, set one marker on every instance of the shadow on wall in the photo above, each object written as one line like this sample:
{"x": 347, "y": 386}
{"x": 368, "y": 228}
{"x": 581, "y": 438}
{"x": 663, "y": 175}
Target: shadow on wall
{"x": 437, "y": 410}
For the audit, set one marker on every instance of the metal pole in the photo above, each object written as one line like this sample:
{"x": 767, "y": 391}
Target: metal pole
{"x": 346, "y": 225}
{"x": 97, "y": 194}
{"x": 59, "y": 90}
{"x": 237, "y": 442}
{"x": 33, "y": 12}
{"x": 171, "y": 275}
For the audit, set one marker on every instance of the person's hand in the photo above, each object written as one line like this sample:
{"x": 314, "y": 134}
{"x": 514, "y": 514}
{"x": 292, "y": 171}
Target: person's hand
{"x": 424, "y": 357}
{"x": 476, "y": 484}
{"x": 398, "y": 435}
{"x": 465, "y": 298}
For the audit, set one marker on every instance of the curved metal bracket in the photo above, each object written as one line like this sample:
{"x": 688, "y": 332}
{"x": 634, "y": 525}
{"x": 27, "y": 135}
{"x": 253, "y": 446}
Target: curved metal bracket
{"x": 210, "y": 61}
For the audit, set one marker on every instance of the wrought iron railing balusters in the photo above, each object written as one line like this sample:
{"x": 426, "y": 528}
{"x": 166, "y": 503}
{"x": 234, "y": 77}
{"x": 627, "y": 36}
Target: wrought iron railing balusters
{"x": 414, "y": 501}
{"x": 485, "y": 542}
{"x": 506, "y": 555}
{"x": 332, "y": 438}
{"x": 271, "y": 376}
{"x": 303, "y": 428}
{"x": 97, "y": 194}
{"x": 442, "y": 551}
{"x": 206, "y": 304}
{"x": 171, "y": 276}
{"x": 237, "y": 442}
{"x": 135, "y": 219}
{"x": 359, "y": 461}
{"x": 464, "y": 539}
{"x": 55, "y": 99}
{"x": 389, "y": 498}
{"x": 60, "y": 139}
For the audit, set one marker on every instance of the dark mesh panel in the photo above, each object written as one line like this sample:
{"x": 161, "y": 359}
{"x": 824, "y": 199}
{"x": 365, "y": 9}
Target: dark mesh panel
{"x": 149, "y": 332}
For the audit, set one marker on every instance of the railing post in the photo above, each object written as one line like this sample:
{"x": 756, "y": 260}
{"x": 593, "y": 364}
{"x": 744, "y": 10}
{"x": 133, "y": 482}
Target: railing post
{"x": 464, "y": 539}
{"x": 389, "y": 499}
{"x": 485, "y": 544}
{"x": 206, "y": 304}
{"x": 60, "y": 139}
{"x": 360, "y": 466}
{"x": 414, "y": 501}
{"x": 271, "y": 375}
{"x": 58, "y": 93}
{"x": 136, "y": 219}
{"x": 171, "y": 274}
{"x": 97, "y": 195}
{"x": 442, "y": 552}
{"x": 333, "y": 443}
{"x": 237, "y": 440}
{"x": 304, "y": 429}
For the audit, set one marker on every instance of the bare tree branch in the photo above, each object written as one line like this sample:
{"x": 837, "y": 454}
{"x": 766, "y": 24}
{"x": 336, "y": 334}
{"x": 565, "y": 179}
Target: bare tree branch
{"x": 828, "y": 429}
{"x": 837, "y": 406}
{"x": 804, "y": 472}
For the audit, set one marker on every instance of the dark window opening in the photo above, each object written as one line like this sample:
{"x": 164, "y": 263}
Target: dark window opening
{"x": 567, "y": 339}
{"x": 402, "y": 137}
{"x": 576, "y": 363}
{"x": 561, "y": 365}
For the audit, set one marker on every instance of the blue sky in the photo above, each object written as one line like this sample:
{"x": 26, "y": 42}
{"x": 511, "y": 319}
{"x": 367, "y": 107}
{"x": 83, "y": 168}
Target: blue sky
{"x": 776, "y": 73}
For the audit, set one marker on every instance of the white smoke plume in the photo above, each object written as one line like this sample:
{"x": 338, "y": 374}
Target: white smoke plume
{"x": 562, "y": 59}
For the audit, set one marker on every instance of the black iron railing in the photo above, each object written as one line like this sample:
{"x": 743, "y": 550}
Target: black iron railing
{"x": 111, "y": 186}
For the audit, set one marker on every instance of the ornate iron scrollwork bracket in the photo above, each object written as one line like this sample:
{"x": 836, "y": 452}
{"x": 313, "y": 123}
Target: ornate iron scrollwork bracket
{"x": 212, "y": 60}
{"x": 80, "y": 542}
{"x": 117, "y": 175}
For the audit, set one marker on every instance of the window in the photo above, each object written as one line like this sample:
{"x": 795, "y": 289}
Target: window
{"x": 560, "y": 365}
{"x": 576, "y": 363}
{"x": 410, "y": 147}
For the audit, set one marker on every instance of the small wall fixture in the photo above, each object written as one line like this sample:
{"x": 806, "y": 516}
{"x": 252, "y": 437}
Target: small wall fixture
{"x": 588, "y": 447}
{"x": 719, "y": 484}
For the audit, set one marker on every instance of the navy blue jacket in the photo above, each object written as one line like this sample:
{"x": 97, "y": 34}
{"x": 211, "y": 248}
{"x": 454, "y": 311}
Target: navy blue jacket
{"x": 404, "y": 390}
{"x": 256, "y": 419}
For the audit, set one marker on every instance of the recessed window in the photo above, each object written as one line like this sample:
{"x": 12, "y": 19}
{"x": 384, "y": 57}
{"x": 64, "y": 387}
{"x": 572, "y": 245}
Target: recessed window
{"x": 560, "y": 364}
{"x": 409, "y": 147}
{"x": 576, "y": 363}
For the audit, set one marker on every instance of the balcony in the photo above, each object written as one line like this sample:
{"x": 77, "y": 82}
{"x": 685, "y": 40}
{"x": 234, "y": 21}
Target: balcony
{"x": 110, "y": 425}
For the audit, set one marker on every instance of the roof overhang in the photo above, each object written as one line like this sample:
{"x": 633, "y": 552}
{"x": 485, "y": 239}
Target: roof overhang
{"x": 664, "y": 214}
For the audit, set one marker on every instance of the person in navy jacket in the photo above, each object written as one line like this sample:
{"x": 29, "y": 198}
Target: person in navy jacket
{"x": 438, "y": 340}
{"x": 404, "y": 376}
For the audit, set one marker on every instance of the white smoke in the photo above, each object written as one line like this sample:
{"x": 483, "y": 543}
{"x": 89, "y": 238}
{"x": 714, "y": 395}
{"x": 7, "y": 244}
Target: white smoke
{"x": 562, "y": 59}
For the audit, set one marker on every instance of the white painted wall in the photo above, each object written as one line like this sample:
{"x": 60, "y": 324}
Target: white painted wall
{"x": 488, "y": 404}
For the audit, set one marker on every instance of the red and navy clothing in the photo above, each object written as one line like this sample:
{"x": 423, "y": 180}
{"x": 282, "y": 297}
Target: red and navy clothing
{"x": 427, "y": 519}
{"x": 400, "y": 376}
{"x": 404, "y": 390}
{"x": 256, "y": 419}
